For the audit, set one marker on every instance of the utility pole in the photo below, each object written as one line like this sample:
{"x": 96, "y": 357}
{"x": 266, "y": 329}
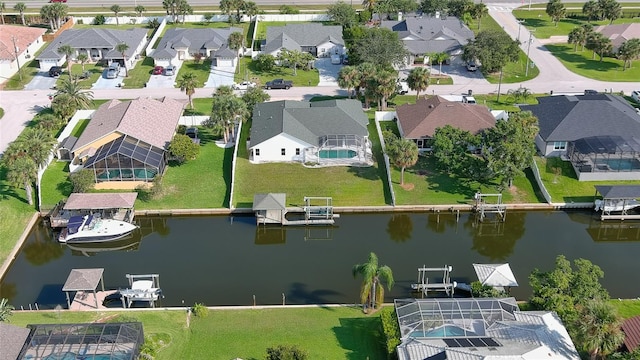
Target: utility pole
{"x": 526, "y": 71}
{"x": 519, "y": 26}
{"x": 15, "y": 52}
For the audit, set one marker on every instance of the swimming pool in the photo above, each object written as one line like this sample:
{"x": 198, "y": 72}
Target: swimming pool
{"x": 127, "y": 174}
{"x": 441, "y": 332}
{"x": 73, "y": 356}
{"x": 337, "y": 154}
{"x": 624, "y": 164}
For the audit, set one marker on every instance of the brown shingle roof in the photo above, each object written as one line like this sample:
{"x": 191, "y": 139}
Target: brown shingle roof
{"x": 631, "y": 328}
{"x": 149, "y": 120}
{"x": 81, "y": 201}
{"x": 421, "y": 119}
{"x": 24, "y": 37}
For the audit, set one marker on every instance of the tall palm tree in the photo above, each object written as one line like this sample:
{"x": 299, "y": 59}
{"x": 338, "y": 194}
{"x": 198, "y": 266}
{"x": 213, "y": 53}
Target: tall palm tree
{"x": 3, "y": 7}
{"x": 67, "y": 51}
{"x": 23, "y": 172}
{"x": 591, "y": 10}
{"x": 372, "y": 292}
{"x": 83, "y": 58}
{"x": 385, "y": 86}
{"x": 479, "y": 11}
{"x": 628, "y": 51}
{"x": 82, "y": 99}
{"x": 577, "y": 36}
{"x": 250, "y": 9}
{"x": 171, "y": 6}
{"x": 367, "y": 71}
{"x": 440, "y": 58}
{"x": 418, "y": 80}
{"x": 37, "y": 143}
{"x": 184, "y": 9}
{"x": 404, "y": 154}
{"x": 116, "y": 10}
{"x": 599, "y": 328}
{"x": 139, "y": 10}
{"x": 21, "y": 7}
{"x": 188, "y": 83}
{"x": 5, "y": 310}
{"x": 235, "y": 42}
{"x": 226, "y": 109}
{"x": 122, "y": 49}
{"x": 59, "y": 12}
{"x": 349, "y": 78}
{"x": 369, "y": 5}
{"x": 46, "y": 13}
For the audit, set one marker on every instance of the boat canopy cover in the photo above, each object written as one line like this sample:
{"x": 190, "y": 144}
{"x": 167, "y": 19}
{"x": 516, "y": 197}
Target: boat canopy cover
{"x": 619, "y": 191}
{"x": 75, "y": 222}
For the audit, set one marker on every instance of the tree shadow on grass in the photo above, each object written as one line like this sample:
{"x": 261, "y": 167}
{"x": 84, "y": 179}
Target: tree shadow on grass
{"x": 6, "y": 190}
{"x": 361, "y": 337}
{"x": 226, "y": 175}
{"x": 582, "y": 59}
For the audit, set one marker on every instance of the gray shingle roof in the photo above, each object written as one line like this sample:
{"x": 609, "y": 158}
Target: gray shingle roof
{"x": 195, "y": 39}
{"x": 82, "y": 201}
{"x": 96, "y": 38}
{"x": 270, "y": 201}
{"x": 83, "y": 279}
{"x": 307, "y": 121}
{"x": 149, "y": 120}
{"x": 427, "y": 34}
{"x": 12, "y": 338}
{"x": 294, "y": 36}
{"x": 569, "y": 118}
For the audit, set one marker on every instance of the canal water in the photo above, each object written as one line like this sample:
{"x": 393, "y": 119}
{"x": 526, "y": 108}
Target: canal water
{"x": 222, "y": 260}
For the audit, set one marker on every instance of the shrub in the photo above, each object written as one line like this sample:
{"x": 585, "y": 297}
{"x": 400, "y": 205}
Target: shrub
{"x": 82, "y": 180}
{"x": 199, "y": 310}
{"x": 391, "y": 331}
{"x": 286, "y": 352}
{"x": 99, "y": 20}
{"x": 479, "y": 290}
{"x": 80, "y": 22}
{"x": 153, "y": 23}
{"x": 286, "y": 9}
{"x": 265, "y": 62}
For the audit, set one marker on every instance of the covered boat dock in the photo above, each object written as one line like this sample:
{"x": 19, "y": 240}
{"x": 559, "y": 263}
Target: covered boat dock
{"x": 118, "y": 206}
{"x": 271, "y": 208}
{"x": 84, "y": 282}
{"x": 617, "y": 200}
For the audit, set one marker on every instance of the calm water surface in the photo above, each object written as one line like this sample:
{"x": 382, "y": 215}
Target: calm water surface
{"x": 221, "y": 260}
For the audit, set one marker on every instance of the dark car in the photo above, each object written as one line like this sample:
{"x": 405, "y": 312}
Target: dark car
{"x": 55, "y": 1}
{"x": 55, "y": 71}
{"x": 158, "y": 70}
{"x": 591, "y": 92}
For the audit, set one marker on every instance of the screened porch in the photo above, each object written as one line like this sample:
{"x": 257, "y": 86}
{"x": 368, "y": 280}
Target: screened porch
{"x": 340, "y": 150}
{"x": 605, "y": 158}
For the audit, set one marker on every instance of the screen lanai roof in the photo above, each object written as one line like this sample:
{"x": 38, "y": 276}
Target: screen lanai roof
{"x": 607, "y": 144}
{"x": 130, "y": 147}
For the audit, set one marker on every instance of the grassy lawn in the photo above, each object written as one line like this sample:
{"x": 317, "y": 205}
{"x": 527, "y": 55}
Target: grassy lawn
{"x": 248, "y": 70}
{"x": 201, "y": 70}
{"x": 55, "y": 184}
{"x": 201, "y": 106}
{"x": 15, "y": 213}
{"x": 140, "y": 74}
{"x": 28, "y": 70}
{"x": 545, "y": 28}
{"x": 581, "y": 63}
{"x": 324, "y": 333}
{"x": 564, "y": 186}
{"x": 76, "y": 69}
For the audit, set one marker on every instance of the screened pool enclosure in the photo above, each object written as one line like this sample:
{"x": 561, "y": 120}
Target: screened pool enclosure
{"x": 341, "y": 150}
{"x": 127, "y": 159}
{"x": 605, "y": 158}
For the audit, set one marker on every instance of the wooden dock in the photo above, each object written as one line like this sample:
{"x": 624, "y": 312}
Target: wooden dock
{"x": 85, "y": 300}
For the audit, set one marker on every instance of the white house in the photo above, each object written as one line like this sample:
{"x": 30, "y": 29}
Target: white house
{"x": 98, "y": 44}
{"x": 324, "y": 132}
{"x": 317, "y": 39}
{"x": 21, "y": 40}
{"x": 182, "y": 44}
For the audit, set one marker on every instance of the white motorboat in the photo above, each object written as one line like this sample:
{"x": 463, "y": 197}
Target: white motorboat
{"x": 93, "y": 229}
{"x": 616, "y": 205}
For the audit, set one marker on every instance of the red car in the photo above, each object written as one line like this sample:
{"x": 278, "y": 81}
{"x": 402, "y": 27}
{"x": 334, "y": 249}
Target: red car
{"x": 158, "y": 70}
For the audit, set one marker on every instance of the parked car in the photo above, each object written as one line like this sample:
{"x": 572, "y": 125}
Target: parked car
{"x": 245, "y": 85}
{"x": 402, "y": 87}
{"x": 345, "y": 60}
{"x": 115, "y": 66}
{"x": 170, "y": 70}
{"x": 55, "y": 1}
{"x": 635, "y": 95}
{"x": 335, "y": 59}
{"x": 468, "y": 99}
{"x": 85, "y": 75}
{"x": 158, "y": 70}
{"x": 472, "y": 66}
{"x": 112, "y": 73}
{"x": 279, "y": 84}
{"x": 55, "y": 71}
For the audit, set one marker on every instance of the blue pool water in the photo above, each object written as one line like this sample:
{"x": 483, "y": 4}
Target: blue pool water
{"x": 73, "y": 356}
{"x": 440, "y": 332}
{"x": 337, "y": 154}
{"x": 621, "y": 164}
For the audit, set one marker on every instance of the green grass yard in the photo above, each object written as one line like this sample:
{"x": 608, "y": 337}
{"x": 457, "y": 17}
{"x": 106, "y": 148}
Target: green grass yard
{"x": 581, "y": 63}
{"x": 140, "y": 74}
{"x": 248, "y": 70}
{"x": 94, "y": 70}
{"x": 201, "y": 70}
{"x": 15, "y": 213}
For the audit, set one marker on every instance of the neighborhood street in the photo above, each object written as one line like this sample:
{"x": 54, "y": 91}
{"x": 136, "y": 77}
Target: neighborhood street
{"x": 21, "y": 106}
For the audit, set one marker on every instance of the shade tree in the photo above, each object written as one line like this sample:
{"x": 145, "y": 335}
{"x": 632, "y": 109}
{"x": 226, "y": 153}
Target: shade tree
{"x": 556, "y": 11}
{"x": 343, "y": 14}
{"x": 379, "y": 46}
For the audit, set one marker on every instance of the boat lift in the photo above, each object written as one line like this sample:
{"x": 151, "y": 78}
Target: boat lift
{"x": 425, "y": 286}
{"x": 141, "y": 288}
{"x": 482, "y": 207}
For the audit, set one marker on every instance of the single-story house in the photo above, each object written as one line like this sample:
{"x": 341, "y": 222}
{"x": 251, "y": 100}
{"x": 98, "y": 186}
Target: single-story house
{"x": 599, "y": 134}
{"x": 330, "y": 132}
{"x": 619, "y": 33}
{"x": 423, "y": 35}
{"x": 317, "y": 39}
{"x": 419, "y": 121}
{"x": 125, "y": 141}
{"x": 21, "y": 41}
{"x": 183, "y": 44}
{"x": 98, "y": 44}
{"x": 479, "y": 328}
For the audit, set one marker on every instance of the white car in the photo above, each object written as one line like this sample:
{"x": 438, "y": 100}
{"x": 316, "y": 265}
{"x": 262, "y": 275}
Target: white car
{"x": 635, "y": 95}
{"x": 245, "y": 85}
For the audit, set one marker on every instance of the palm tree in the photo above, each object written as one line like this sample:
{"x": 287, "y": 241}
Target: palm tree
{"x": 37, "y": 144}
{"x": 628, "y": 51}
{"x": 235, "y": 42}
{"x": 479, "y": 11}
{"x": 184, "y": 9}
{"x": 5, "y": 310}
{"x": 599, "y": 44}
{"x": 46, "y": 13}
{"x": 386, "y": 85}
{"x": 116, "y": 10}
{"x": 577, "y": 36}
{"x": 81, "y": 99}
{"x": 48, "y": 122}
{"x": 139, "y": 10}
{"x": 404, "y": 153}
{"x": 598, "y": 328}
{"x": 188, "y": 83}
{"x": 349, "y": 78}
{"x": 59, "y": 12}
{"x": 83, "y": 58}
{"x": 21, "y": 7}
{"x": 439, "y": 58}
{"x": 67, "y": 51}
{"x": 171, "y": 7}
{"x": 250, "y": 9}
{"x": 366, "y": 71}
{"x": 3, "y": 7}
{"x": 418, "y": 80}
{"x": 122, "y": 49}
{"x": 591, "y": 10}
{"x": 369, "y": 5}
{"x": 226, "y": 109}
{"x": 372, "y": 292}
{"x": 22, "y": 172}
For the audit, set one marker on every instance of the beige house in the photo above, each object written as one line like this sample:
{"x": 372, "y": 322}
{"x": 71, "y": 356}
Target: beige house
{"x": 21, "y": 41}
{"x": 619, "y": 33}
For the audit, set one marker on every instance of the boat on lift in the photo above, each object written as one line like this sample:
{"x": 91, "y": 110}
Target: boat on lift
{"x": 616, "y": 205}
{"x": 94, "y": 229}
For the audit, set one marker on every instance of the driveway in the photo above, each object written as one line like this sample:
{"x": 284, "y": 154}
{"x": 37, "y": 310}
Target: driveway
{"x": 104, "y": 83}
{"x": 220, "y": 75}
{"x": 42, "y": 81}
{"x": 328, "y": 72}
{"x": 163, "y": 81}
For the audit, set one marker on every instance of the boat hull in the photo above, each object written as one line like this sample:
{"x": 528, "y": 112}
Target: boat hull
{"x": 97, "y": 239}
{"x": 95, "y": 231}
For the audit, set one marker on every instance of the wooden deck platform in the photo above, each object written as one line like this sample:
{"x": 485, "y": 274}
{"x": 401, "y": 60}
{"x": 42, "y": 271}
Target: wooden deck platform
{"x": 85, "y": 300}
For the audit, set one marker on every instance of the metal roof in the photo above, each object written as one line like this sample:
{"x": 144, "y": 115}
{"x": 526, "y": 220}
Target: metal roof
{"x": 631, "y": 329}
{"x": 270, "y": 201}
{"x": 83, "y": 201}
{"x": 495, "y": 274}
{"x": 83, "y": 279}
{"x": 619, "y": 191}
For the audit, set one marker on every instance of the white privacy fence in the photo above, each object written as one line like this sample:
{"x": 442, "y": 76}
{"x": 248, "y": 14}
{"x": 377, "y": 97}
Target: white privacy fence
{"x": 386, "y": 116}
